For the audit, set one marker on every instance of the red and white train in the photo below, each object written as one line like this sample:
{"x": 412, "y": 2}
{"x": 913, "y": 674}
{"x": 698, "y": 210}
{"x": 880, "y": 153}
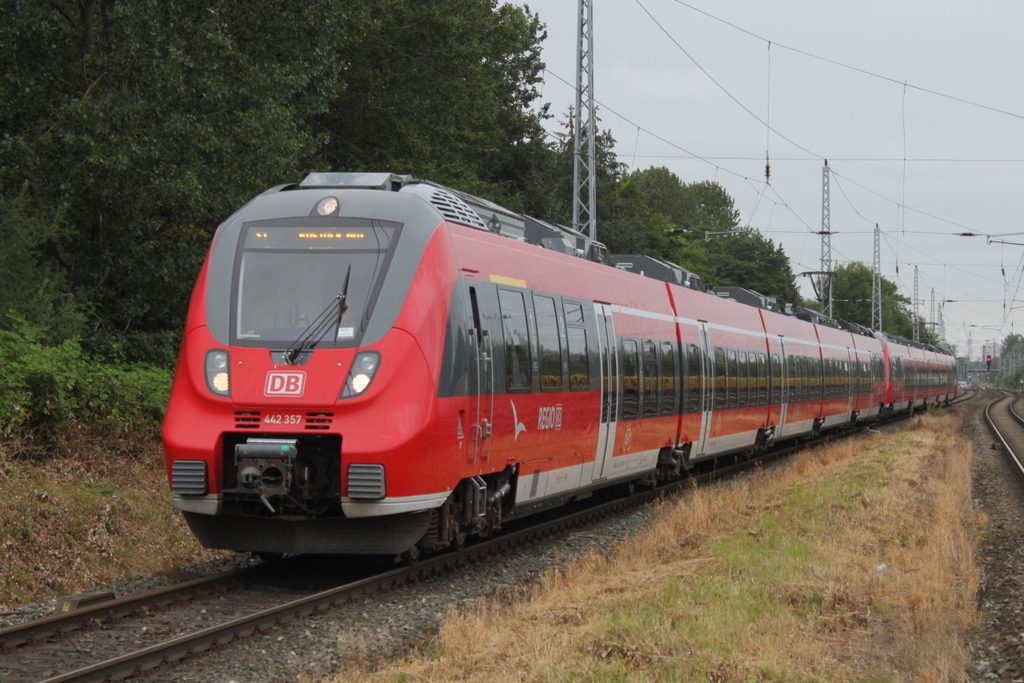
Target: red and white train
{"x": 375, "y": 364}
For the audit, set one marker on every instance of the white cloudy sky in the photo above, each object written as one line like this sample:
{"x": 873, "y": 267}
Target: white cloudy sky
{"x": 917, "y": 105}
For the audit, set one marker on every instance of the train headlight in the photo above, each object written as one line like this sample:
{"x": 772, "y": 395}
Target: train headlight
{"x": 218, "y": 379}
{"x": 363, "y": 370}
{"x": 327, "y": 206}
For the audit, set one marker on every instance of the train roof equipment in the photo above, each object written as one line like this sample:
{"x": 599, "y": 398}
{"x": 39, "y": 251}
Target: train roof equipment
{"x": 747, "y": 296}
{"x": 467, "y": 209}
{"x": 655, "y": 268}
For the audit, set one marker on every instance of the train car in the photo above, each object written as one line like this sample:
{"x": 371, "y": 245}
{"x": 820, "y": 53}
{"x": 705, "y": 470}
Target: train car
{"x": 374, "y": 364}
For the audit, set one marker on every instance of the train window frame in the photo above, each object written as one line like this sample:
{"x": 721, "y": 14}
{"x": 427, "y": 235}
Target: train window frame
{"x": 721, "y": 379}
{"x": 573, "y": 311}
{"x": 548, "y": 358}
{"x": 578, "y": 381}
{"x": 630, "y": 409}
{"x": 743, "y": 379}
{"x": 694, "y": 384}
{"x": 668, "y": 384}
{"x": 513, "y": 350}
{"x": 732, "y": 380}
{"x": 775, "y": 378}
{"x": 649, "y": 374}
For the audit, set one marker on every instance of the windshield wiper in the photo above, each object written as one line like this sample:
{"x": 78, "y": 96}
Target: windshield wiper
{"x": 317, "y": 330}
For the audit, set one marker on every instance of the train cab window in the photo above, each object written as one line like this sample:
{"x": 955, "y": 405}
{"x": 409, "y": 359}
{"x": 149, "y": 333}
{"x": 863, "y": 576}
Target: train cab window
{"x": 573, "y": 312}
{"x": 579, "y": 365}
{"x": 650, "y": 373}
{"x": 734, "y": 388}
{"x": 550, "y": 343}
{"x": 630, "y": 380}
{"x": 669, "y": 373}
{"x": 720, "y": 379}
{"x": 517, "y": 340}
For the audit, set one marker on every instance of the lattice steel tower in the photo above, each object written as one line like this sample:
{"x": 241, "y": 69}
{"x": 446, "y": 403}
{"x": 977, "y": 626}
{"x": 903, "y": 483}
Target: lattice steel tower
{"x": 876, "y": 288}
{"x": 825, "y": 291}
{"x": 917, "y": 320}
{"x": 584, "y": 170}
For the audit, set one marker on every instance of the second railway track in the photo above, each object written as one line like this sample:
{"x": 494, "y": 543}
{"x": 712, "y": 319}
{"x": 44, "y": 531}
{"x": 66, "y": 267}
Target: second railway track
{"x": 1007, "y": 425}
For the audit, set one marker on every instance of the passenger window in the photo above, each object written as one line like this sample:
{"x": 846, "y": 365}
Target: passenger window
{"x": 720, "y": 380}
{"x": 517, "y": 340}
{"x": 694, "y": 379}
{"x": 579, "y": 364}
{"x": 743, "y": 379}
{"x": 630, "y": 380}
{"x": 573, "y": 312}
{"x": 668, "y": 380}
{"x": 650, "y": 379}
{"x": 734, "y": 387}
{"x": 550, "y": 344}
{"x": 762, "y": 379}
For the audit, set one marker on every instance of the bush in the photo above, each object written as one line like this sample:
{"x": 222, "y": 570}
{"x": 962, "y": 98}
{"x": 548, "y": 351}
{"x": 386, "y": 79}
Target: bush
{"x": 43, "y": 388}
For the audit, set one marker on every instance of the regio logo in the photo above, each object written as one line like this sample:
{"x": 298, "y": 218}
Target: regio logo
{"x": 285, "y": 384}
{"x": 550, "y": 418}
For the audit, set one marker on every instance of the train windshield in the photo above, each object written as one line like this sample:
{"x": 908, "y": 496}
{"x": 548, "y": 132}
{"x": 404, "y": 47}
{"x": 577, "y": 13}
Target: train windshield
{"x": 286, "y": 276}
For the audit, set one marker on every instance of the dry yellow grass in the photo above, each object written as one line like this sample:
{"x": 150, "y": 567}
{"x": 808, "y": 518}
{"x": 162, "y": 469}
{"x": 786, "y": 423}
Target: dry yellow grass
{"x": 853, "y": 563}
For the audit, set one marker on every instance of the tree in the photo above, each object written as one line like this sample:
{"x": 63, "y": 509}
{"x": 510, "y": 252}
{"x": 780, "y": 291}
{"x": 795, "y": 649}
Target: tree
{"x": 852, "y": 286}
{"x": 35, "y": 290}
{"x": 747, "y": 259}
{"x": 141, "y": 125}
{"x": 441, "y": 90}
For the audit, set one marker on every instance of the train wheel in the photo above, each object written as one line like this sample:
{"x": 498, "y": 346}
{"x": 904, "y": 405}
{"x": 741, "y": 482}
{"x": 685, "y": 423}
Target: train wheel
{"x": 458, "y": 540}
{"x": 412, "y": 555}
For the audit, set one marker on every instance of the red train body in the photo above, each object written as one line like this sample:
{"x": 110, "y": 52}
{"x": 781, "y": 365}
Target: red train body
{"x": 375, "y": 364}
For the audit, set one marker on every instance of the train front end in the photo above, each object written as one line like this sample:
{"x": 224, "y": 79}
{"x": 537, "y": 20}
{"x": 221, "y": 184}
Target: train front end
{"x": 304, "y": 400}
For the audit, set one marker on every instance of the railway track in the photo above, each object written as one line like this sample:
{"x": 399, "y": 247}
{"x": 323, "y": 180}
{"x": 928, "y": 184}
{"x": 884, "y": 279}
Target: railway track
{"x": 966, "y": 397}
{"x": 1007, "y": 424}
{"x": 122, "y": 639}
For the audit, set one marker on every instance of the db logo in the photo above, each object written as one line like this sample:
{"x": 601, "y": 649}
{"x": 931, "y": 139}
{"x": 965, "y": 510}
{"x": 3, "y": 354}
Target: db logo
{"x": 285, "y": 384}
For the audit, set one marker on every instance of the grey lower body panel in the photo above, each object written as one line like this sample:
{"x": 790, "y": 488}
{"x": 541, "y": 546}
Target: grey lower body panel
{"x": 339, "y": 536}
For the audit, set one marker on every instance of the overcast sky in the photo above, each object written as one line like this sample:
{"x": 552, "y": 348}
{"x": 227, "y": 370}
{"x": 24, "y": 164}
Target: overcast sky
{"x": 917, "y": 105}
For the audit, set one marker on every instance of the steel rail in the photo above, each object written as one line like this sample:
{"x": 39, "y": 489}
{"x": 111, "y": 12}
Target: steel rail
{"x": 64, "y": 622}
{"x": 1013, "y": 457}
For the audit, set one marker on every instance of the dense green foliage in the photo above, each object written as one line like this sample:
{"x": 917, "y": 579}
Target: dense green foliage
{"x": 45, "y": 388}
{"x": 851, "y": 292}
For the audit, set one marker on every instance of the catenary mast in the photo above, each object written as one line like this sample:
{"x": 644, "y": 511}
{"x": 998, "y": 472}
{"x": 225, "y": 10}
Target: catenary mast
{"x": 584, "y": 172}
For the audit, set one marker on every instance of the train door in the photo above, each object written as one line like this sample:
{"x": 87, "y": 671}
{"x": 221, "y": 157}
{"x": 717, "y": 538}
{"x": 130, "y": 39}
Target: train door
{"x": 482, "y": 389}
{"x": 608, "y": 353}
{"x": 706, "y": 398}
